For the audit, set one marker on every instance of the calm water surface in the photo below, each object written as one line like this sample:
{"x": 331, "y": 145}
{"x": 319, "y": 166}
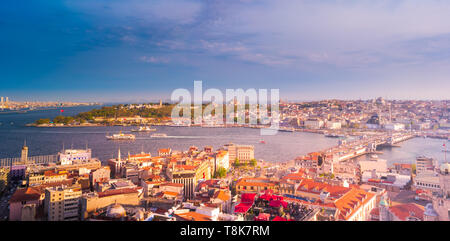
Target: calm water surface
{"x": 281, "y": 147}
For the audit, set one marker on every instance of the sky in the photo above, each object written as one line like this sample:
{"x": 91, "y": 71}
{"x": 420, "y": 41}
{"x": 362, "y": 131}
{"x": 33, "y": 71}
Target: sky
{"x": 138, "y": 50}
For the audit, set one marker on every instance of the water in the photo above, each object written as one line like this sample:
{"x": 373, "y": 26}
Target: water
{"x": 410, "y": 149}
{"x": 281, "y": 147}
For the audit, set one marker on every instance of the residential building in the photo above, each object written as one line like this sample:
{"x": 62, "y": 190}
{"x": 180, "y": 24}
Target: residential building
{"x": 62, "y": 203}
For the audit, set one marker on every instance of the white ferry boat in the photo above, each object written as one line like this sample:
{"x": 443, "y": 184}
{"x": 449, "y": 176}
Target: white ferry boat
{"x": 143, "y": 129}
{"x": 158, "y": 135}
{"x": 335, "y": 135}
{"x": 121, "y": 136}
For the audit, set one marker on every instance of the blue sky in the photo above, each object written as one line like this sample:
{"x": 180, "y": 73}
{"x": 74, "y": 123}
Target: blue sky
{"x": 135, "y": 50}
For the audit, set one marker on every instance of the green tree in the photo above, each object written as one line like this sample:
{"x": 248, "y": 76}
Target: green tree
{"x": 221, "y": 172}
{"x": 253, "y": 162}
{"x": 59, "y": 119}
{"x": 68, "y": 120}
{"x": 43, "y": 121}
{"x": 237, "y": 163}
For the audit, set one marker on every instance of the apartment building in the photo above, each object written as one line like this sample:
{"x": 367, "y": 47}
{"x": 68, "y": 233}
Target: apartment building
{"x": 62, "y": 203}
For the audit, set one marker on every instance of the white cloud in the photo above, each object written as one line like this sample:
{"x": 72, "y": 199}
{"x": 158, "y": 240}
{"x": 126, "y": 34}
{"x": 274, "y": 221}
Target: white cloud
{"x": 153, "y": 60}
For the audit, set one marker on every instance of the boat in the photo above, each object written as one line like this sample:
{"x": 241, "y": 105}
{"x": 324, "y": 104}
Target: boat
{"x": 159, "y": 135}
{"x": 262, "y": 142}
{"x": 287, "y": 129}
{"x": 143, "y": 129}
{"x": 335, "y": 135}
{"x": 121, "y": 136}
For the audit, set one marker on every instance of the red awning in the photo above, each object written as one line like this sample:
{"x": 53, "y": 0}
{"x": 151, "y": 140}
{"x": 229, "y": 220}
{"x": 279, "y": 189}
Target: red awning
{"x": 262, "y": 217}
{"x": 242, "y": 208}
{"x": 278, "y": 218}
{"x": 278, "y": 203}
{"x": 248, "y": 198}
{"x": 266, "y": 197}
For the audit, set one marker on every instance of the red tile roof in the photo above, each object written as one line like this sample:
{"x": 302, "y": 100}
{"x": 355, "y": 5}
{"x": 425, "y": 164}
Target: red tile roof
{"x": 403, "y": 211}
{"x": 25, "y": 194}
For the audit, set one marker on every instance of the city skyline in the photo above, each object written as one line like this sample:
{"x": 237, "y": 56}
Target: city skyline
{"x": 114, "y": 52}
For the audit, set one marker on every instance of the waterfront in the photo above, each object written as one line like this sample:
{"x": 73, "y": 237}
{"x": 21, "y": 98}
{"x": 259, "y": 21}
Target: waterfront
{"x": 282, "y": 147}
{"x": 46, "y": 141}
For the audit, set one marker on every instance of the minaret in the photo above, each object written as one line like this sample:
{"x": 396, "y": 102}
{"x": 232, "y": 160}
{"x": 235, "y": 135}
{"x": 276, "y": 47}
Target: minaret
{"x": 118, "y": 171}
{"x": 160, "y": 102}
{"x": 24, "y": 156}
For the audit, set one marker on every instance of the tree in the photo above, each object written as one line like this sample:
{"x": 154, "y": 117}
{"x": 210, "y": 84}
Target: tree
{"x": 68, "y": 120}
{"x": 59, "y": 119}
{"x": 253, "y": 162}
{"x": 221, "y": 172}
{"x": 237, "y": 163}
{"x": 43, "y": 121}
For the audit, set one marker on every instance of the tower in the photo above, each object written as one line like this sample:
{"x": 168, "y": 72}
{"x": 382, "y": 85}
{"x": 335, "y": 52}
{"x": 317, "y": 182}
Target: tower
{"x": 160, "y": 102}
{"x": 24, "y": 156}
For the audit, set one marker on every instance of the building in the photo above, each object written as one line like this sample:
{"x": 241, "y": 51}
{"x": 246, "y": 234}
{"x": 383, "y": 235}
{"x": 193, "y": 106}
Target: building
{"x": 102, "y": 174}
{"x": 314, "y": 123}
{"x": 62, "y": 203}
{"x": 337, "y": 202}
{"x": 256, "y": 185}
{"x": 52, "y": 176}
{"x": 333, "y": 125}
{"x": 243, "y": 153}
{"x": 91, "y": 202}
{"x": 4, "y": 178}
{"x": 18, "y": 172}
{"x": 379, "y": 165}
{"x": 115, "y": 165}
{"x": 221, "y": 159}
{"x": 428, "y": 182}
{"x": 394, "y": 126}
{"x": 164, "y": 152}
{"x": 72, "y": 156}
{"x": 400, "y": 212}
{"x": 189, "y": 175}
{"x": 25, "y": 204}
{"x": 425, "y": 165}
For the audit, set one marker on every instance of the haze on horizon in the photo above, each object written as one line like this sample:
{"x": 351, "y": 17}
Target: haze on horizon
{"x": 136, "y": 50}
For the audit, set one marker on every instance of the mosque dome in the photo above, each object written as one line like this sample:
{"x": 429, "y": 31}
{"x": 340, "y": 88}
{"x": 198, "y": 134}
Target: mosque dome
{"x": 116, "y": 211}
{"x": 429, "y": 211}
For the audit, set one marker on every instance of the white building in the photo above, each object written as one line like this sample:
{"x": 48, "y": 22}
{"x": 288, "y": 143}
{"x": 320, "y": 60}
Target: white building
{"x": 427, "y": 181}
{"x": 313, "y": 123}
{"x": 68, "y": 157}
{"x": 394, "y": 126}
{"x": 222, "y": 159}
{"x": 379, "y": 165}
{"x": 333, "y": 125}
